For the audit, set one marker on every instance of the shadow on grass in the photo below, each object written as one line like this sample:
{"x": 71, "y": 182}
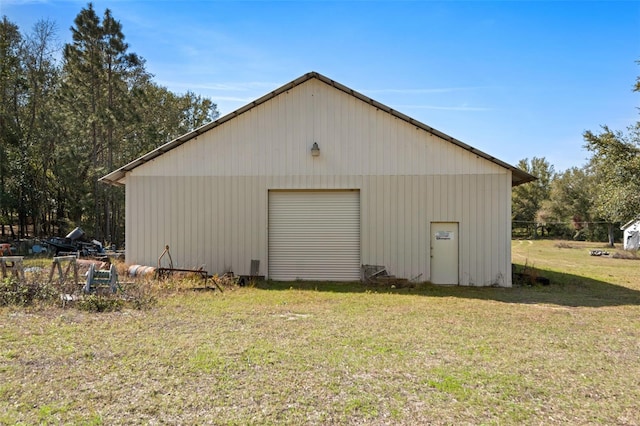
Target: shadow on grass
{"x": 564, "y": 289}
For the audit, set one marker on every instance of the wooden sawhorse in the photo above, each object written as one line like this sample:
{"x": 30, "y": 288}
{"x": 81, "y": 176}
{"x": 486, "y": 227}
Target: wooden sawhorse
{"x": 12, "y": 264}
{"x": 62, "y": 276}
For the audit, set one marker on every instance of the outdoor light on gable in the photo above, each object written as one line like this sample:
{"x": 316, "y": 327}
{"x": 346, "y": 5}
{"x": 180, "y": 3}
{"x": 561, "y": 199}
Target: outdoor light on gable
{"x": 315, "y": 149}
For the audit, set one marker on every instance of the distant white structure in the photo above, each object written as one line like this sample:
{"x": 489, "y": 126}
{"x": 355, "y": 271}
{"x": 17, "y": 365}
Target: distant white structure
{"x": 631, "y": 234}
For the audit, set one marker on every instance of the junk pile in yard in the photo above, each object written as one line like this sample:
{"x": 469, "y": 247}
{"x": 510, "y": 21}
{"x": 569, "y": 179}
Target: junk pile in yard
{"x": 74, "y": 243}
{"x": 378, "y": 275}
{"x": 98, "y": 274}
{"x": 23, "y": 247}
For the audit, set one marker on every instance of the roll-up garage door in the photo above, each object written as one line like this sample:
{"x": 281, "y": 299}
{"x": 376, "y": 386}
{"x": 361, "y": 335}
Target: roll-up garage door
{"x": 314, "y": 235}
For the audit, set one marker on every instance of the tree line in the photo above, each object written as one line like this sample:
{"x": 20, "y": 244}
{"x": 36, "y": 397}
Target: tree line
{"x": 583, "y": 203}
{"x": 70, "y": 114}
{"x": 73, "y": 113}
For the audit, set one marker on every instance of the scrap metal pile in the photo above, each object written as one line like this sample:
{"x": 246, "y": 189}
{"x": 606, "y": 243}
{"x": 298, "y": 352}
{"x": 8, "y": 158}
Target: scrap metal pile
{"x": 73, "y": 243}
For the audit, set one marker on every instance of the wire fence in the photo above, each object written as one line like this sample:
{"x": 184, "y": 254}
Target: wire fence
{"x": 570, "y": 230}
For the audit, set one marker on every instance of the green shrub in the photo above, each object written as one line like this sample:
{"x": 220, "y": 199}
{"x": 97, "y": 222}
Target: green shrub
{"x": 100, "y": 303}
{"x": 137, "y": 295}
{"x": 25, "y": 293}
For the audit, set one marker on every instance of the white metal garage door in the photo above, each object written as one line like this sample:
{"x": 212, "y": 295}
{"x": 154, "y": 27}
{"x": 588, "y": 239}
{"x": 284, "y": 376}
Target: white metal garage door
{"x": 314, "y": 235}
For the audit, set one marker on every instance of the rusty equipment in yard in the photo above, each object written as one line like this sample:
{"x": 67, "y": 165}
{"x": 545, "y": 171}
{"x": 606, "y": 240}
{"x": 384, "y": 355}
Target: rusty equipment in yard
{"x": 166, "y": 251}
{"x": 73, "y": 243}
{"x": 163, "y": 273}
{"x": 5, "y": 249}
{"x": 378, "y": 275}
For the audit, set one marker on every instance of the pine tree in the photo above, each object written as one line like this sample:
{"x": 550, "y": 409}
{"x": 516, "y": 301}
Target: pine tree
{"x": 99, "y": 78}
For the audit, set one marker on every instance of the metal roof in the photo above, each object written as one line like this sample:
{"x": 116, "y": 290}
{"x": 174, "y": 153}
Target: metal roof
{"x": 631, "y": 222}
{"x": 518, "y": 176}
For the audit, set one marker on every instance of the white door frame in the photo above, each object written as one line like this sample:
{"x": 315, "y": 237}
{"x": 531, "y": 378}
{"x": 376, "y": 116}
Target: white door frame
{"x": 445, "y": 253}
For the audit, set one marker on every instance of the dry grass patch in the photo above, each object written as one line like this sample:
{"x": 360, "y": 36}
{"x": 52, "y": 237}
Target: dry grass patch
{"x": 318, "y": 353}
{"x": 629, "y": 255}
{"x": 577, "y": 262}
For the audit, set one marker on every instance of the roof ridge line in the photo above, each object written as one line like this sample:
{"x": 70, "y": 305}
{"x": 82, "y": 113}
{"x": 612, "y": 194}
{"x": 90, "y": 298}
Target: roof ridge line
{"x": 115, "y": 177}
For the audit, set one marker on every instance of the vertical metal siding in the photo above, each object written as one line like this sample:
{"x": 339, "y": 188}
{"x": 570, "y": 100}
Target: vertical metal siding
{"x": 231, "y": 221}
{"x": 314, "y": 235}
{"x": 208, "y": 199}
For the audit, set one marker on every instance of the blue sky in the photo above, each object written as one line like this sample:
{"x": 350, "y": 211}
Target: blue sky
{"x": 516, "y": 79}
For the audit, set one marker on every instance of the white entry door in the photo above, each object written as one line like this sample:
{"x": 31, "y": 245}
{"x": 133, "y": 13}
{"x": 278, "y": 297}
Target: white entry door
{"x": 444, "y": 252}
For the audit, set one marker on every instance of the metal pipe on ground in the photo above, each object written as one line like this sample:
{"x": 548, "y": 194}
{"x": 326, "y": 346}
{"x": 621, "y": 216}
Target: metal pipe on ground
{"x": 141, "y": 271}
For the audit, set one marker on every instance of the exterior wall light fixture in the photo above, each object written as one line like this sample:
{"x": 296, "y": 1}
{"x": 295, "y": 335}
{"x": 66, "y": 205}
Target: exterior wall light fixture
{"x": 315, "y": 149}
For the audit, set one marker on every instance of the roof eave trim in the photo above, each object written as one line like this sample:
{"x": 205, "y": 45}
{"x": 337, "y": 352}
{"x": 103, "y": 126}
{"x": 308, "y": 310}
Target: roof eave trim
{"x": 115, "y": 177}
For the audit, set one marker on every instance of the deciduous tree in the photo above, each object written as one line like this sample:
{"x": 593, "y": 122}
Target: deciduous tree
{"x": 64, "y": 126}
{"x": 615, "y": 163}
{"x": 29, "y": 77}
{"x": 528, "y": 198}
{"x": 569, "y": 206}
{"x": 10, "y": 87}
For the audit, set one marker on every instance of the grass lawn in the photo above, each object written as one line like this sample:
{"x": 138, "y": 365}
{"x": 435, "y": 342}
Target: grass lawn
{"x": 305, "y": 353}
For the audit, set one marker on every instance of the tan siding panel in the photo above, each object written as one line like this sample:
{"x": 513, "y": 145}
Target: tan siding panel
{"x": 274, "y": 138}
{"x": 395, "y": 224}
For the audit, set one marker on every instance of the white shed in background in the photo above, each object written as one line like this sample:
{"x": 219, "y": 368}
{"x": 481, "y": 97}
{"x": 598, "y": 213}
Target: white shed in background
{"x": 631, "y": 234}
{"x": 315, "y": 180}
